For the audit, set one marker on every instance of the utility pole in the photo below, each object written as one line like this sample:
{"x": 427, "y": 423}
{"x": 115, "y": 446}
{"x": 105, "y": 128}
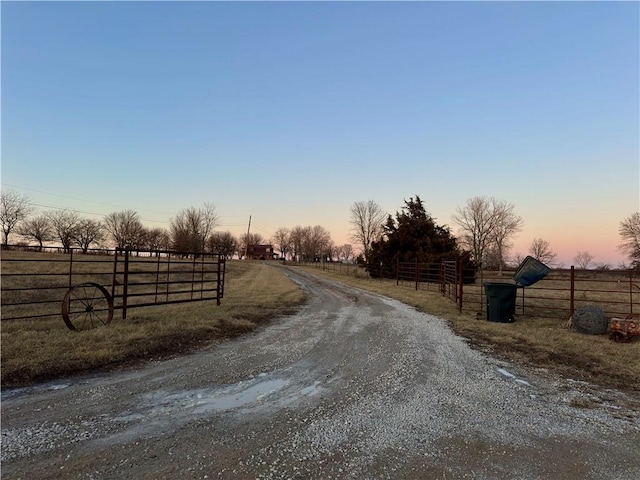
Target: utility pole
{"x": 246, "y": 245}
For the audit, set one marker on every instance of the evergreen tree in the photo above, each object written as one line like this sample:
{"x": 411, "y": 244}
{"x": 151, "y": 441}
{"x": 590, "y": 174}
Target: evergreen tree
{"x": 414, "y": 235}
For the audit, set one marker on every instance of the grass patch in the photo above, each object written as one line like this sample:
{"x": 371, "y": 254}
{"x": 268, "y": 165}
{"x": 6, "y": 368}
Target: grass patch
{"x": 36, "y": 350}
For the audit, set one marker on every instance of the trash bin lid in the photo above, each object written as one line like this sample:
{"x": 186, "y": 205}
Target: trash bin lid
{"x": 530, "y": 271}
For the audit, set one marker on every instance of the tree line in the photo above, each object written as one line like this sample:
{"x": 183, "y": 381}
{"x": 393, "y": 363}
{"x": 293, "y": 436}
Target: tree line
{"x": 191, "y": 230}
{"x": 310, "y": 244}
{"x": 486, "y": 227}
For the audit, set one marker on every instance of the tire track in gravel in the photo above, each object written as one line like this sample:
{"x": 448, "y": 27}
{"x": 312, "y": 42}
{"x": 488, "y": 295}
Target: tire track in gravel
{"x": 352, "y": 386}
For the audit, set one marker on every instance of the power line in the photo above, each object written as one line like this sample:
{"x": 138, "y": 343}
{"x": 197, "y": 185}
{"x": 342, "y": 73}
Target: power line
{"x": 88, "y": 213}
{"x": 78, "y": 200}
{"x": 103, "y": 215}
{"x": 62, "y": 196}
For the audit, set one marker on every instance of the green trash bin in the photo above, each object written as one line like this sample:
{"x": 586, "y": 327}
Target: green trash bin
{"x": 501, "y": 301}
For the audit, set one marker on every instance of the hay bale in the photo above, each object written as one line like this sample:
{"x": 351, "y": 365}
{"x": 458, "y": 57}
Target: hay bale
{"x": 589, "y": 319}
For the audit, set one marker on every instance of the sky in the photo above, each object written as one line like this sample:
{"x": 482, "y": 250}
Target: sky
{"x": 289, "y": 112}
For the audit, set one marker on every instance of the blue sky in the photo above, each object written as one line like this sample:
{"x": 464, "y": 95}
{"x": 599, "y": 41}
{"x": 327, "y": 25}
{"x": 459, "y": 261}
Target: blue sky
{"x": 290, "y": 112}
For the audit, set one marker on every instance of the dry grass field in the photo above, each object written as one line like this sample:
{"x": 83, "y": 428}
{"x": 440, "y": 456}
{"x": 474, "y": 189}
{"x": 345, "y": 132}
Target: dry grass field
{"x": 40, "y": 349}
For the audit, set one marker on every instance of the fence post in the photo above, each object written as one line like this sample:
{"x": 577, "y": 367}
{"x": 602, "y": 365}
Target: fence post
{"x": 416, "y": 274}
{"x": 70, "y": 266}
{"x": 397, "y": 272}
{"x": 115, "y": 271}
{"x": 572, "y": 290}
{"x": 461, "y": 282}
{"x": 631, "y": 292}
{"x": 193, "y": 274}
{"x": 202, "y": 275}
{"x": 157, "y": 276}
{"x": 481, "y": 289}
{"x": 221, "y": 260}
{"x": 125, "y": 284}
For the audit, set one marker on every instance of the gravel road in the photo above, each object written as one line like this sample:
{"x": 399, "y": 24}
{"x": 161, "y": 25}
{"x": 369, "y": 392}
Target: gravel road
{"x": 354, "y": 386}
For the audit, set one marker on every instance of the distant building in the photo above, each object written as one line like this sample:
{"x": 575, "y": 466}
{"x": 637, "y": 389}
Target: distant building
{"x": 260, "y": 252}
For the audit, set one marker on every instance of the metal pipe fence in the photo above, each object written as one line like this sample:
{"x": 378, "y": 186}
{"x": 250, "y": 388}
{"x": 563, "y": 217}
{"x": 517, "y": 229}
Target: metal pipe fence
{"x": 40, "y": 282}
{"x": 616, "y": 292}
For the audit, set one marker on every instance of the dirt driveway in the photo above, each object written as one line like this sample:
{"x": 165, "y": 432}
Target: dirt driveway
{"x": 354, "y": 386}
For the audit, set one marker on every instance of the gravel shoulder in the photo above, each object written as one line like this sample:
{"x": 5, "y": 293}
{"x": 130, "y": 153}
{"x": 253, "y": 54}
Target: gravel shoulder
{"x": 352, "y": 386}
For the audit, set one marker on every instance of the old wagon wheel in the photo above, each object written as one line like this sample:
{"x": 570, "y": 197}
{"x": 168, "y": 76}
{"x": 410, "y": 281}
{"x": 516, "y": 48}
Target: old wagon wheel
{"x": 87, "y": 306}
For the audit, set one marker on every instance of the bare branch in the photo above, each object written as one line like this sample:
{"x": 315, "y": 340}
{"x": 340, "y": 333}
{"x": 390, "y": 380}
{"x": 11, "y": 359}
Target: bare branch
{"x": 37, "y": 228}
{"x": 14, "y": 208}
{"x": 367, "y": 220}
{"x": 125, "y": 228}
{"x": 583, "y": 260}
{"x": 541, "y": 250}
{"x": 630, "y": 234}
{"x": 487, "y": 224}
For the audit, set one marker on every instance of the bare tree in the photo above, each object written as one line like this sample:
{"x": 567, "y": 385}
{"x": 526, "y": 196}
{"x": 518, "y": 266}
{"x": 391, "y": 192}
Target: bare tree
{"x": 125, "y": 228}
{"x": 476, "y": 226}
{"x": 316, "y": 243}
{"x": 157, "y": 239}
{"x": 630, "y": 234}
{"x": 64, "y": 224}
{"x": 282, "y": 240}
{"x": 87, "y": 232}
{"x": 209, "y": 218}
{"x": 506, "y": 225}
{"x": 345, "y": 252}
{"x": 37, "y": 228}
{"x": 487, "y": 223}
{"x": 366, "y": 220}
{"x": 297, "y": 237}
{"x": 492, "y": 259}
{"x": 14, "y": 208}
{"x": 541, "y": 250}
{"x": 191, "y": 227}
{"x": 311, "y": 243}
{"x": 517, "y": 259}
{"x": 583, "y": 259}
{"x": 223, "y": 243}
{"x": 245, "y": 241}
{"x": 330, "y": 251}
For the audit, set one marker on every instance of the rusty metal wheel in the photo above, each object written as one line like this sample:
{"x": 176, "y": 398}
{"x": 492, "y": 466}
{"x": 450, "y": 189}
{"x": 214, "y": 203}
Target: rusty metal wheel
{"x": 87, "y": 306}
